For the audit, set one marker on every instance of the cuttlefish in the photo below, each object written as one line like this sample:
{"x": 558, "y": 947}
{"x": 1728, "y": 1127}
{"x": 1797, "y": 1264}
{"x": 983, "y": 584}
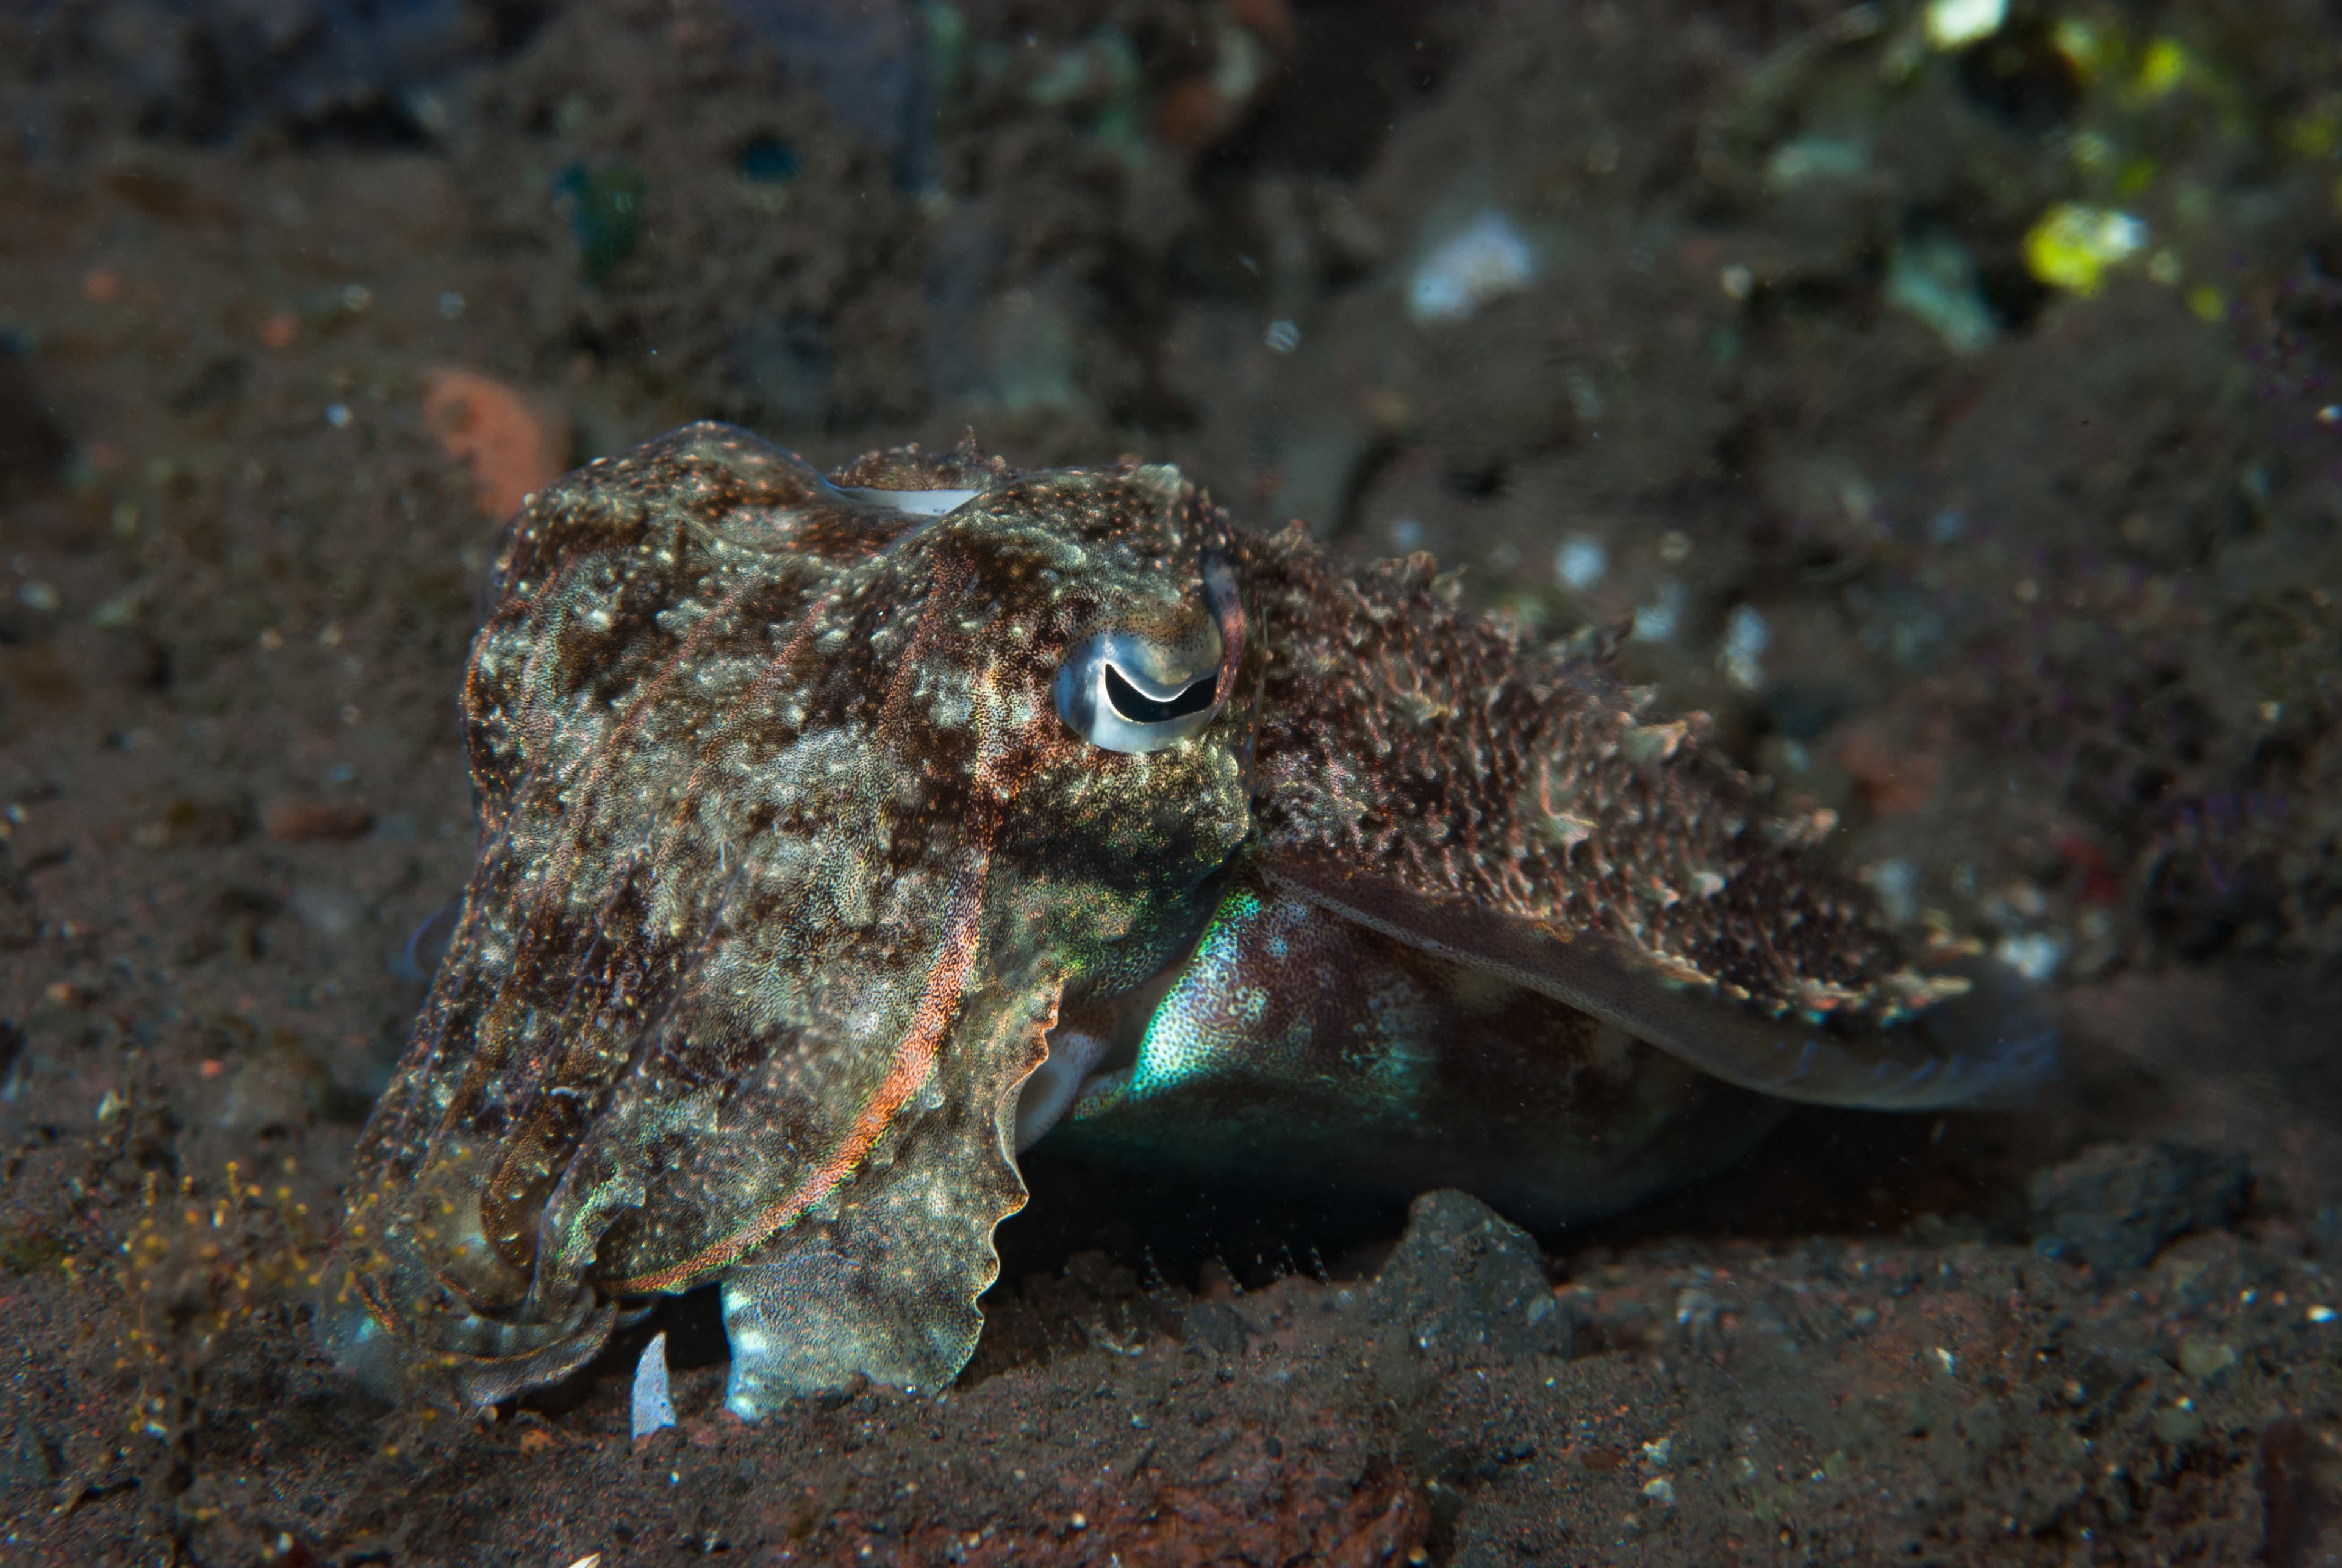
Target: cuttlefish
{"x": 840, "y": 835}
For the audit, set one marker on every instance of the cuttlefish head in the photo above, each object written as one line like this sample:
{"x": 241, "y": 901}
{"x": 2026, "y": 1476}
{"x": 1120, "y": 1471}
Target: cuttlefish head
{"x": 1065, "y": 750}
{"x": 807, "y": 804}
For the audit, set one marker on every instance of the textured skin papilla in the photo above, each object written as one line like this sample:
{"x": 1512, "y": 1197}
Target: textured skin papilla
{"x": 788, "y": 865}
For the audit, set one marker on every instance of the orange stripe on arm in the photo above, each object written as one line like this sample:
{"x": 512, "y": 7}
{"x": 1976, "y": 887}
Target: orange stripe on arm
{"x": 914, "y": 1064}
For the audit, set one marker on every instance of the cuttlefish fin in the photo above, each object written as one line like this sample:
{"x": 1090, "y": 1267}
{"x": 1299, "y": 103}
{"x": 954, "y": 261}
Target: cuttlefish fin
{"x": 1987, "y": 1047}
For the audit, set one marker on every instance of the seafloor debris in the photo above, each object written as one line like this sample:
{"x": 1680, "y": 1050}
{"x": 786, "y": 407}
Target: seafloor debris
{"x": 2118, "y": 1205}
{"x": 511, "y": 444}
{"x": 1464, "y": 1282}
{"x": 1480, "y": 263}
{"x": 2074, "y": 246}
{"x": 652, "y": 1408}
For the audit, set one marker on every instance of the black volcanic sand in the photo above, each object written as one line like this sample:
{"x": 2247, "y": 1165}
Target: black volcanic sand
{"x": 2050, "y": 624}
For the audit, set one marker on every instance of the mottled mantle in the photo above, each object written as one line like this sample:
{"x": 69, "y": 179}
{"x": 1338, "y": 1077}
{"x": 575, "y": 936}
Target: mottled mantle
{"x": 789, "y": 866}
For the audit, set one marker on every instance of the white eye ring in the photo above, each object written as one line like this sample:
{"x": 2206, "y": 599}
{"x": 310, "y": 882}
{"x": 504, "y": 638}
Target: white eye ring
{"x": 1122, "y": 693}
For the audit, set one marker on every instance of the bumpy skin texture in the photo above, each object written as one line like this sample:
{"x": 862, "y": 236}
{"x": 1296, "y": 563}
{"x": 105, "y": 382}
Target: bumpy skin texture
{"x": 788, "y": 865}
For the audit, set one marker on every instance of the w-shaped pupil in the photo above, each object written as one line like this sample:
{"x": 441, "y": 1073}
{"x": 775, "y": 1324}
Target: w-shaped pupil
{"x": 1140, "y": 709}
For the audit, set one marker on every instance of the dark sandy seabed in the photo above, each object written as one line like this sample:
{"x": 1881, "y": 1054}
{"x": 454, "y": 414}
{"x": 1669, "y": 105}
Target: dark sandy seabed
{"x": 2041, "y": 537}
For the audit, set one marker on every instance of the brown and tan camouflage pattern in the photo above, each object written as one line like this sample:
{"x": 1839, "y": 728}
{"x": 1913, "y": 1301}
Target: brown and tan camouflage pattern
{"x": 788, "y": 865}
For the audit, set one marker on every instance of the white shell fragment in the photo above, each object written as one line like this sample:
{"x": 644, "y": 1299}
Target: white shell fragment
{"x": 1483, "y": 262}
{"x": 652, "y": 1408}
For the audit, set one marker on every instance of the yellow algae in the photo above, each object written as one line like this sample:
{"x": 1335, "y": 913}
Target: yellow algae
{"x": 2072, "y": 246}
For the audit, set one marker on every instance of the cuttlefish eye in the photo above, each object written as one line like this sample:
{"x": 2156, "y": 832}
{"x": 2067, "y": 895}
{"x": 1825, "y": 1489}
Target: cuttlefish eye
{"x": 1127, "y": 691}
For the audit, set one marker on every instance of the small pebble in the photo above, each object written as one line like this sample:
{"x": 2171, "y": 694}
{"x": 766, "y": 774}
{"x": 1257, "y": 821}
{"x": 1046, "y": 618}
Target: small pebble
{"x": 1581, "y": 561}
{"x": 1656, "y": 621}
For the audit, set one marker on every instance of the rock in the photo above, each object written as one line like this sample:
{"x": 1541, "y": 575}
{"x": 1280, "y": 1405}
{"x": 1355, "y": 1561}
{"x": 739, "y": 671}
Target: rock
{"x": 1215, "y": 1327}
{"x": 35, "y": 1459}
{"x": 2116, "y": 1205}
{"x": 273, "y": 1088}
{"x": 2204, "y": 1358}
{"x": 1464, "y": 1282}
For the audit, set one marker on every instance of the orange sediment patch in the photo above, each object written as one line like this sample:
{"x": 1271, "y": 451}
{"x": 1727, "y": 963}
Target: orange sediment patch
{"x": 512, "y": 445}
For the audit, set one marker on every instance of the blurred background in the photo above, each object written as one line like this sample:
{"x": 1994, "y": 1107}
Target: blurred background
{"x": 1942, "y": 394}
